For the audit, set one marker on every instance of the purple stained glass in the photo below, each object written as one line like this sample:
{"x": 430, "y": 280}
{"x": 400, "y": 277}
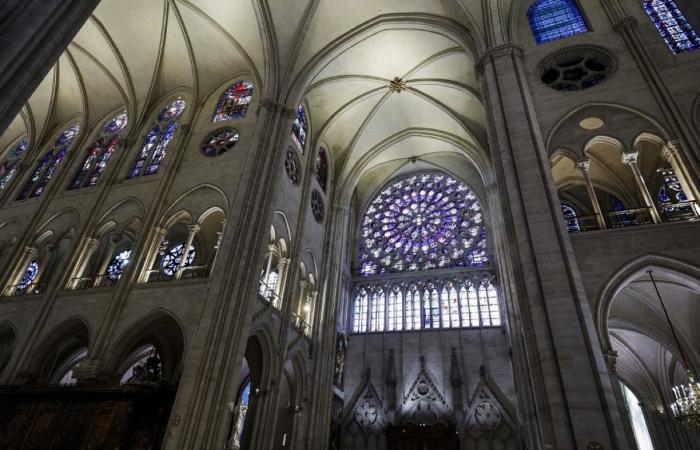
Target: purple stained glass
{"x": 48, "y": 165}
{"x": 299, "y": 129}
{"x": 9, "y": 167}
{"x": 672, "y": 25}
{"x": 156, "y": 144}
{"x": 100, "y": 152}
{"x": 234, "y": 102}
{"x": 423, "y": 222}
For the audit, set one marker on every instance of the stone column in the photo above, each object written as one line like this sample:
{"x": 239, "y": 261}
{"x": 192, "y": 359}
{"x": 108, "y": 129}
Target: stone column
{"x": 631, "y": 160}
{"x": 192, "y": 231}
{"x": 283, "y": 269}
{"x": 570, "y": 404}
{"x": 152, "y": 253}
{"x": 672, "y": 153}
{"x": 43, "y": 262}
{"x": 89, "y": 248}
{"x": 584, "y": 167}
{"x": 114, "y": 241}
{"x": 29, "y": 254}
{"x": 34, "y": 34}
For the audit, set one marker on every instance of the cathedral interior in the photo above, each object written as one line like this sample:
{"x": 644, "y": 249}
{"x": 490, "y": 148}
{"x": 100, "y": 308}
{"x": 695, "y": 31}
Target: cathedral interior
{"x": 404, "y": 225}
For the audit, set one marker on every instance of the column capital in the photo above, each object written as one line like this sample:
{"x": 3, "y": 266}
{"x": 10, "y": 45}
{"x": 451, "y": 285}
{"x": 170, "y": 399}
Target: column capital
{"x": 630, "y": 158}
{"x": 498, "y": 51}
{"x": 671, "y": 150}
{"x": 160, "y": 231}
{"x": 31, "y": 251}
{"x": 275, "y": 107}
{"x": 282, "y": 263}
{"x": 194, "y": 228}
{"x": 92, "y": 241}
{"x": 584, "y": 166}
{"x": 628, "y": 23}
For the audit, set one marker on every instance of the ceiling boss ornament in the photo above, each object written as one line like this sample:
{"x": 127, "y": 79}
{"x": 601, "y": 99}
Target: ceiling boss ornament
{"x": 397, "y": 85}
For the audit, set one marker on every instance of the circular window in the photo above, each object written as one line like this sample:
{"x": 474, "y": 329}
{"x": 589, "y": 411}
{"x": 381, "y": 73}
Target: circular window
{"x": 317, "y": 208}
{"x": 577, "y": 68}
{"x": 291, "y": 165}
{"x": 220, "y": 142}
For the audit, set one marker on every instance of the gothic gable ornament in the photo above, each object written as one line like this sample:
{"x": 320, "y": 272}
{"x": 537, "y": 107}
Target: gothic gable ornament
{"x": 424, "y": 404}
{"x": 487, "y": 419}
{"x": 367, "y": 415}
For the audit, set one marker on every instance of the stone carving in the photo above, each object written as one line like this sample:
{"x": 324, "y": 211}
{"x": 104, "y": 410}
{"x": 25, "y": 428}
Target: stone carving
{"x": 367, "y": 414}
{"x": 341, "y": 349}
{"x": 367, "y": 411}
{"x": 424, "y": 405}
{"x": 487, "y": 415}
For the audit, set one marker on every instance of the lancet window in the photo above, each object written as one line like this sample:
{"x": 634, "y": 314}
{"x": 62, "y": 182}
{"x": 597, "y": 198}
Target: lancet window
{"x": 552, "y": 20}
{"x": 48, "y": 164}
{"x": 234, "y": 102}
{"x": 158, "y": 140}
{"x": 100, "y": 152}
{"x": 322, "y": 168}
{"x": 9, "y": 167}
{"x": 300, "y": 128}
{"x": 672, "y": 25}
{"x": 171, "y": 260}
{"x": 571, "y": 218}
{"x": 429, "y": 228}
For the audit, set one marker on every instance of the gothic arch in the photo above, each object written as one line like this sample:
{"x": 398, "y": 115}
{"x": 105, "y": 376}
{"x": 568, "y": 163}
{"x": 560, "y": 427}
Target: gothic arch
{"x": 676, "y": 269}
{"x": 159, "y": 328}
{"x": 64, "y": 340}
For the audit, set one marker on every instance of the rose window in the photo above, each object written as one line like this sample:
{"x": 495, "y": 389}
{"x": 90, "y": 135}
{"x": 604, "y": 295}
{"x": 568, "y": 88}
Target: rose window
{"x": 423, "y": 222}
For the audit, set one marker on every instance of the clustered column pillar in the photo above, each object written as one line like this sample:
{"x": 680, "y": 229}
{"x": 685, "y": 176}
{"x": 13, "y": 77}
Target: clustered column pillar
{"x": 571, "y": 404}
{"x": 584, "y": 167}
{"x": 114, "y": 241}
{"x": 30, "y": 253}
{"x": 631, "y": 160}
{"x": 152, "y": 253}
{"x": 192, "y": 231}
{"x": 671, "y": 153}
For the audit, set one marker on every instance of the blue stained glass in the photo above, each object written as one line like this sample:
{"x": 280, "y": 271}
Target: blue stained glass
{"x": 672, "y": 25}
{"x": 48, "y": 165}
{"x": 100, "y": 152}
{"x": 617, "y": 204}
{"x": 571, "y": 219}
{"x": 29, "y": 275}
{"x": 117, "y": 265}
{"x": 299, "y": 129}
{"x": 156, "y": 144}
{"x": 9, "y": 167}
{"x": 552, "y": 20}
{"x": 234, "y": 102}
{"x": 423, "y": 222}
{"x": 171, "y": 260}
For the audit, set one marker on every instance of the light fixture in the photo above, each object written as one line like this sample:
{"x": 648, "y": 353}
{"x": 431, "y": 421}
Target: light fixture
{"x": 686, "y": 407}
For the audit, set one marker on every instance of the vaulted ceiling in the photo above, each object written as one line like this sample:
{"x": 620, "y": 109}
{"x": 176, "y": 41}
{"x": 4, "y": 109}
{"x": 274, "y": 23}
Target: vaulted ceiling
{"x": 337, "y": 58}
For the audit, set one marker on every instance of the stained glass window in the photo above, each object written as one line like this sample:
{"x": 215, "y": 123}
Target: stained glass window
{"x": 118, "y": 264}
{"x": 156, "y": 144}
{"x": 171, "y": 260}
{"x": 237, "y": 434}
{"x": 48, "y": 164}
{"x": 423, "y": 222}
{"x": 100, "y": 152}
{"x": 571, "y": 219}
{"x": 29, "y": 275}
{"x": 10, "y": 165}
{"x": 322, "y": 168}
{"x": 376, "y": 311}
{"x": 672, "y": 25}
{"x": 427, "y": 305}
{"x": 636, "y": 416}
{"x": 234, "y": 102}
{"x": 359, "y": 316}
{"x": 299, "y": 129}
{"x": 220, "y": 142}
{"x": 551, "y": 20}
{"x": 268, "y": 286}
{"x": 394, "y": 312}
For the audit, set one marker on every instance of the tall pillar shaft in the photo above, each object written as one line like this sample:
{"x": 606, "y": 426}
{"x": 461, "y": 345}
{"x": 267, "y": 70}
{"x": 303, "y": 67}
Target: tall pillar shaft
{"x": 631, "y": 160}
{"x": 192, "y": 231}
{"x": 563, "y": 361}
{"x": 106, "y": 258}
{"x": 584, "y": 167}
